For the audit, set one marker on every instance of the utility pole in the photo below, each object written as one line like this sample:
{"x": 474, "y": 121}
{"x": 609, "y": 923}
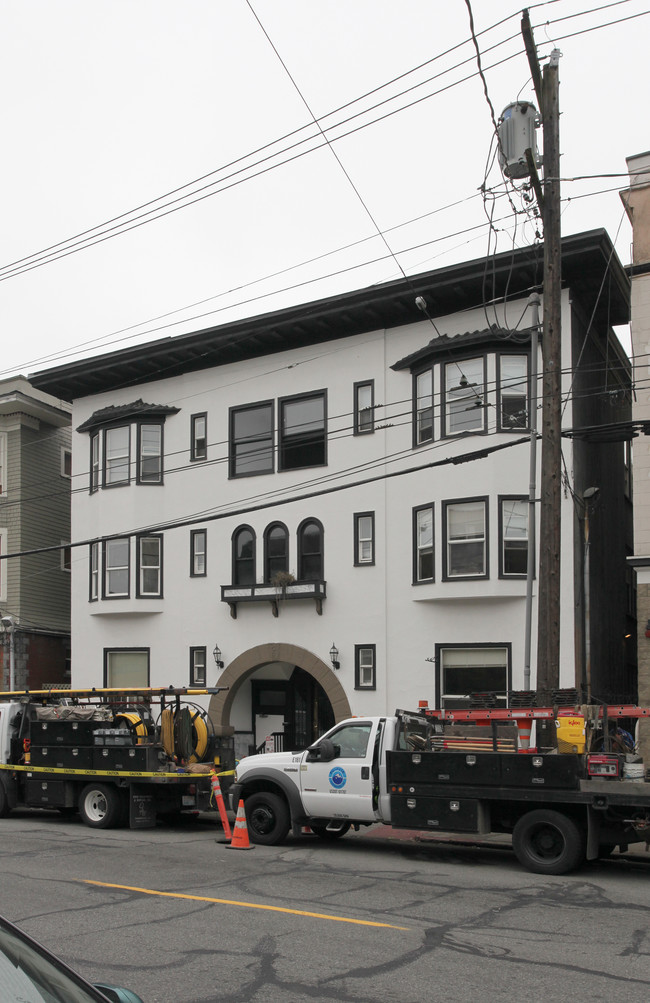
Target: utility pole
{"x": 548, "y": 612}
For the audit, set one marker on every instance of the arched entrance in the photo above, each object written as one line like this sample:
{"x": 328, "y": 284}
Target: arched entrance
{"x": 315, "y": 698}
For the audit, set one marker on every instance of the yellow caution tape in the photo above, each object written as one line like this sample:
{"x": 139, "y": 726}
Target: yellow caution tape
{"x": 100, "y": 773}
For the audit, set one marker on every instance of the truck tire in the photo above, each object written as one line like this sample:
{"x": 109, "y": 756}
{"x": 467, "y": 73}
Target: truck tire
{"x": 267, "y": 817}
{"x": 100, "y": 806}
{"x": 548, "y": 842}
{"x": 329, "y": 832}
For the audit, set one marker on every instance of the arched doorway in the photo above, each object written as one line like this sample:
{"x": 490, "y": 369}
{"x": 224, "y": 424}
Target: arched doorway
{"x": 296, "y": 703}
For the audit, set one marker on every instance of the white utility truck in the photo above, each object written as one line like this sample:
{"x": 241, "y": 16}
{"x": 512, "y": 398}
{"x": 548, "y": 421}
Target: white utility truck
{"x": 462, "y": 771}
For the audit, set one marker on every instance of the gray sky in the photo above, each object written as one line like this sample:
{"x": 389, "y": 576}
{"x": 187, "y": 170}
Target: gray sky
{"x": 110, "y": 105}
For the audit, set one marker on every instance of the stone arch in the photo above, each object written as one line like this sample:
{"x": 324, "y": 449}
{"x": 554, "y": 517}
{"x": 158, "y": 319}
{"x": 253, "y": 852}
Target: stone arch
{"x": 242, "y": 667}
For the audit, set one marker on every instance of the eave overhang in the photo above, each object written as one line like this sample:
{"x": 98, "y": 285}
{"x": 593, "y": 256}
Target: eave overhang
{"x": 586, "y": 258}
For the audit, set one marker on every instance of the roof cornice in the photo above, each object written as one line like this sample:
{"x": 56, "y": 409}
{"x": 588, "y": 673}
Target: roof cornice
{"x": 586, "y": 257}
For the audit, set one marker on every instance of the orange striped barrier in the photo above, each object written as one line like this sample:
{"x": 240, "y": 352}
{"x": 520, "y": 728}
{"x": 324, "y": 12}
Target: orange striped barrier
{"x": 221, "y": 805}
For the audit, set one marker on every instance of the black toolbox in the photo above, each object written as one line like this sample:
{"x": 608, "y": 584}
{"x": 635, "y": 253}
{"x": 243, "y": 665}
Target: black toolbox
{"x": 73, "y": 733}
{"x": 61, "y": 757}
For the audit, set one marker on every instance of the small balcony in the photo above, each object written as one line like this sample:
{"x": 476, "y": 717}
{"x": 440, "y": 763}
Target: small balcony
{"x": 275, "y": 595}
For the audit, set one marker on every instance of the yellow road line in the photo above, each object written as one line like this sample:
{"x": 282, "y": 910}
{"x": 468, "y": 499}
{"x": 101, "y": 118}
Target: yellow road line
{"x": 244, "y": 905}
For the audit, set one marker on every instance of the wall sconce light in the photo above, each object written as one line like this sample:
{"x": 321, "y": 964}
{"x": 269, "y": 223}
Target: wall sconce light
{"x": 334, "y": 657}
{"x": 217, "y": 656}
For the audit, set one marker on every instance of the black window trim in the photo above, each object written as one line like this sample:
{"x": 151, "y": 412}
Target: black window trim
{"x": 440, "y": 646}
{"x": 430, "y": 368}
{"x": 253, "y": 406}
{"x": 194, "y": 458}
{"x": 292, "y": 398}
{"x": 95, "y": 437}
{"x": 357, "y": 666}
{"x": 105, "y": 569}
{"x": 513, "y": 428}
{"x": 233, "y": 540}
{"x": 357, "y": 430}
{"x": 502, "y": 573}
{"x": 130, "y": 648}
{"x": 194, "y": 534}
{"x": 118, "y": 484}
{"x": 193, "y": 650}
{"x": 416, "y": 578}
{"x": 276, "y": 524}
{"x": 138, "y": 472}
{"x": 299, "y": 534}
{"x": 96, "y": 546}
{"x": 357, "y": 517}
{"x": 66, "y": 459}
{"x": 446, "y": 503}
{"x": 138, "y": 541}
{"x": 444, "y": 433}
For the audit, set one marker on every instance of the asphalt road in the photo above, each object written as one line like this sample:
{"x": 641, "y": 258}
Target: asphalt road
{"x": 180, "y": 917}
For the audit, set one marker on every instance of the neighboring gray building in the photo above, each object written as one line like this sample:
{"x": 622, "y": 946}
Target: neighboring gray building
{"x": 35, "y": 487}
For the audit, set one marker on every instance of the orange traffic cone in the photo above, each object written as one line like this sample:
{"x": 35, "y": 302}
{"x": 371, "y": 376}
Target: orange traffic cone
{"x": 524, "y": 727}
{"x": 240, "y": 840}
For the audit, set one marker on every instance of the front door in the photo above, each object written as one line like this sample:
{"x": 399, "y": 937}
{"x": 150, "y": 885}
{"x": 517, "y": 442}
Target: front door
{"x": 342, "y": 788}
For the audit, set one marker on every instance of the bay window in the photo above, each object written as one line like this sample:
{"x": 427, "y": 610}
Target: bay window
{"x": 465, "y": 529}
{"x": 423, "y": 401}
{"x": 116, "y": 568}
{"x": 513, "y": 391}
{"x": 149, "y": 566}
{"x": 116, "y": 455}
{"x": 149, "y": 454}
{"x": 423, "y": 566}
{"x": 465, "y": 396}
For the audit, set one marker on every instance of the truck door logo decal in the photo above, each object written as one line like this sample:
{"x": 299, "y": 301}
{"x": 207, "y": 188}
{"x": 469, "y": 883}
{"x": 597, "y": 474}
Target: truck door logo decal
{"x": 337, "y": 777}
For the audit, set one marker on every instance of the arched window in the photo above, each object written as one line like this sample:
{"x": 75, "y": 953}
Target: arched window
{"x": 276, "y": 550}
{"x": 243, "y": 556}
{"x": 310, "y": 551}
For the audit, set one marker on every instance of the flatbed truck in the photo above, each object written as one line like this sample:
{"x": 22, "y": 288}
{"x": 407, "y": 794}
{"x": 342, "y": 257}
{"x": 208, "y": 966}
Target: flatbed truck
{"x": 459, "y": 771}
{"x": 115, "y": 756}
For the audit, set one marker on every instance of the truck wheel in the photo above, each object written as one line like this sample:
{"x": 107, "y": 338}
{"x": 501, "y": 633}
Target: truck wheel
{"x": 100, "y": 806}
{"x": 267, "y": 817}
{"x": 548, "y": 842}
{"x": 331, "y": 831}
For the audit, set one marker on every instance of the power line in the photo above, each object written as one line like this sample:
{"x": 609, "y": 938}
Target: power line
{"x": 57, "y": 251}
{"x": 291, "y": 499}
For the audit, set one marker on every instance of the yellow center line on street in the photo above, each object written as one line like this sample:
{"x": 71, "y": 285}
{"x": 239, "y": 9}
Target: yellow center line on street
{"x": 243, "y": 905}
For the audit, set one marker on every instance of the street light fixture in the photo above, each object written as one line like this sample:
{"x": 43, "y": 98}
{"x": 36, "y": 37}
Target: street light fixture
{"x": 334, "y": 657}
{"x": 217, "y": 656}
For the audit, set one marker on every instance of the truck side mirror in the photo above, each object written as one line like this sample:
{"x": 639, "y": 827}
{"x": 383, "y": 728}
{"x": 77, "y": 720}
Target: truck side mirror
{"x": 323, "y": 752}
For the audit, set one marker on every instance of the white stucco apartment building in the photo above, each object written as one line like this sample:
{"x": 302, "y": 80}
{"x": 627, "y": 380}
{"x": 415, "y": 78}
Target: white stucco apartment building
{"x": 279, "y": 487}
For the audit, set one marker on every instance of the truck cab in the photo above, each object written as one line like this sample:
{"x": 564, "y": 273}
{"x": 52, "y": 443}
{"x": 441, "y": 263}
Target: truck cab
{"x": 337, "y": 782}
